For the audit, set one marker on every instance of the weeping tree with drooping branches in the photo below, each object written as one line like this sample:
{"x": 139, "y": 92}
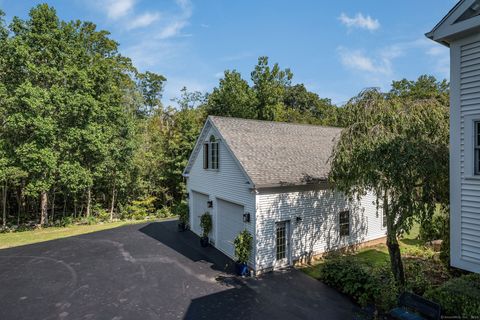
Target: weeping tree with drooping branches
{"x": 396, "y": 147}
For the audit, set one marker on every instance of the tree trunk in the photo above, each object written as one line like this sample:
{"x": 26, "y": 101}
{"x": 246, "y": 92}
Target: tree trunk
{"x": 112, "y": 205}
{"x": 392, "y": 245}
{"x": 64, "y": 205}
{"x": 43, "y": 208}
{"x": 52, "y": 218}
{"x": 89, "y": 201}
{"x": 396, "y": 260}
{"x": 75, "y": 207}
{"x": 4, "y": 205}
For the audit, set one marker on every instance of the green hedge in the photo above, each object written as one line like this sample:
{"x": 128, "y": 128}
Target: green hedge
{"x": 363, "y": 285}
{"x": 459, "y": 296}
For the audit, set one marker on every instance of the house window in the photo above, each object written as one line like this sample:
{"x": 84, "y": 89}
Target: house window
{"x": 210, "y": 154}
{"x": 344, "y": 223}
{"x": 477, "y": 148}
{"x": 214, "y": 153}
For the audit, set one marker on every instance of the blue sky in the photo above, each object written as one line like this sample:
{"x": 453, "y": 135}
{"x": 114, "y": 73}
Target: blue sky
{"x": 336, "y": 48}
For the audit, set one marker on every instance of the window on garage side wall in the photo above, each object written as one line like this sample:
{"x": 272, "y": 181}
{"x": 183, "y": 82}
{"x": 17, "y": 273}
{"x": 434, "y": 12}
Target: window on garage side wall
{"x": 344, "y": 220}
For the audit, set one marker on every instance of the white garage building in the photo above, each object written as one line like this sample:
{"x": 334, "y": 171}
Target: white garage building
{"x": 270, "y": 178}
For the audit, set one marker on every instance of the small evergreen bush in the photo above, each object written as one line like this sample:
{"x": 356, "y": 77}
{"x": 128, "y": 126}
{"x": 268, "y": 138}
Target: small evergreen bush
{"x": 243, "y": 246}
{"x": 206, "y": 223}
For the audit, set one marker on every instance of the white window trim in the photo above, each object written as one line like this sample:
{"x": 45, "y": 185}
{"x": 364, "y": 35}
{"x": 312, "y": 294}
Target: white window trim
{"x": 210, "y": 154}
{"x": 469, "y": 151}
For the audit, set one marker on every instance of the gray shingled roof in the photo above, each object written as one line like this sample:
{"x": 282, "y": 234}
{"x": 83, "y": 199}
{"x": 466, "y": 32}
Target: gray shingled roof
{"x": 277, "y": 153}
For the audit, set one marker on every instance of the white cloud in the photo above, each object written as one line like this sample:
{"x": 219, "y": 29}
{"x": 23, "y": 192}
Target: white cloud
{"x": 359, "y": 61}
{"x": 143, "y": 20}
{"x": 176, "y": 22}
{"x": 172, "y": 29}
{"x": 359, "y": 21}
{"x": 118, "y": 8}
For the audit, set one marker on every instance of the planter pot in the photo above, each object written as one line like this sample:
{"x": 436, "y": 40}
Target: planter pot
{"x": 204, "y": 242}
{"x": 242, "y": 269}
{"x": 182, "y": 226}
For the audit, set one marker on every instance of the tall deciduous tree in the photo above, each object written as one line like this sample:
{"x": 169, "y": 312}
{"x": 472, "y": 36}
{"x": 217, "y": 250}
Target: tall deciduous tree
{"x": 232, "y": 98}
{"x": 269, "y": 84}
{"x": 398, "y": 148}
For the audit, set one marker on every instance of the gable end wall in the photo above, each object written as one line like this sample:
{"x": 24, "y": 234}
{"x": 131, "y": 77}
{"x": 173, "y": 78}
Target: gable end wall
{"x": 229, "y": 183}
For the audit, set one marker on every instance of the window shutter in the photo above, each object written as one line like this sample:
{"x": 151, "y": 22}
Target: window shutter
{"x": 218, "y": 153}
{"x": 205, "y": 156}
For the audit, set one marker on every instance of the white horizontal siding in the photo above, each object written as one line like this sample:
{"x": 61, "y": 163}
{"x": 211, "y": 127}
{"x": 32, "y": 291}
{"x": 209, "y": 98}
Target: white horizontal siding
{"x": 228, "y": 183}
{"x": 469, "y": 98}
{"x": 318, "y": 230}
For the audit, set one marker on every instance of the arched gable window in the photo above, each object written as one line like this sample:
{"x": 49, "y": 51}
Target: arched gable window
{"x": 211, "y": 154}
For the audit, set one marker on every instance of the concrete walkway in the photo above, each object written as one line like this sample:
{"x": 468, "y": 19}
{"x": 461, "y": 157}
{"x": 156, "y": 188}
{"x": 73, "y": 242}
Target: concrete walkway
{"x": 151, "y": 271}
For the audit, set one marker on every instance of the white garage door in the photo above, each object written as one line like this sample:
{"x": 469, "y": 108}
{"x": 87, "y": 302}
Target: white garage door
{"x": 230, "y": 224}
{"x": 200, "y": 206}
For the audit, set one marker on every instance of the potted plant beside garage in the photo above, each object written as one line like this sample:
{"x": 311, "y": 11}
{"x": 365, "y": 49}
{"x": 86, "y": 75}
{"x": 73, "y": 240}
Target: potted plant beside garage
{"x": 243, "y": 248}
{"x": 182, "y": 211}
{"x": 206, "y": 225}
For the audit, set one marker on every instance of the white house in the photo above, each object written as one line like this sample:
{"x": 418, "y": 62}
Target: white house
{"x": 270, "y": 178}
{"x": 460, "y": 30}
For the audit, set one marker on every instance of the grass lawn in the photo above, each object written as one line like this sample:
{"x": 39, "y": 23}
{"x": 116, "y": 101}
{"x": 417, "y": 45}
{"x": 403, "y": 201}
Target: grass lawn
{"x": 14, "y": 239}
{"x": 377, "y": 256}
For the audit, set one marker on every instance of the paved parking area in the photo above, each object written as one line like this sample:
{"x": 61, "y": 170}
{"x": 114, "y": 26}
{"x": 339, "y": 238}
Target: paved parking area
{"x": 151, "y": 271}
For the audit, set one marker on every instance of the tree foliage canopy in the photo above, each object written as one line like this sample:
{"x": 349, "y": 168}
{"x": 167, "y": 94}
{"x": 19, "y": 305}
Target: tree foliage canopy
{"x": 395, "y": 144}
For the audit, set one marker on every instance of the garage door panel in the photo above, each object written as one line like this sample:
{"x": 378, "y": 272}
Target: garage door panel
{"x": 200, "y": 206}
{"x": 230, "y": 224}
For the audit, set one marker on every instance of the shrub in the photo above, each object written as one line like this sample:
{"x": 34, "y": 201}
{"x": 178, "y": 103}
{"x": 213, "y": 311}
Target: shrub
{"x": 65, "y": 222}
{"x": 434, "y": 229}
{"x": 458, "y": 297}
{"x": 89, "y": 220}
{"x": 165, "y": 212}
{"x": 363, "y": 285}
{"x": 140, "y": 209}
{"x": 101, "y": 213}
{"x": 243, "y": 246}
{"x": 423, "y": 274}
{"x": 206, "y": 223}
{"x": 181, "y": 210}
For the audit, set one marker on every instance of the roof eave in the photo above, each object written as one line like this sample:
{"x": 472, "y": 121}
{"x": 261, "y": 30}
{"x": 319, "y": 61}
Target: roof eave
{"x": 320, "y": 182}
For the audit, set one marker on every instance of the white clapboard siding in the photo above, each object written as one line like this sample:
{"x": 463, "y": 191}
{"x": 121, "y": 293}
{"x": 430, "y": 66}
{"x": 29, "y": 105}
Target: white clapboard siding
{"x": 318, "y": 230}
{"x": 464, "y": 184}
{"x": 228, "y": 183}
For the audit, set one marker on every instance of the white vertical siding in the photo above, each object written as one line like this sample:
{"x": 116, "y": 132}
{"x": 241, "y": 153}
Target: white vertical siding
{"x": 464, "y": 184}
{"x": 318, "y": 230}
{"x": 228, "y": 183}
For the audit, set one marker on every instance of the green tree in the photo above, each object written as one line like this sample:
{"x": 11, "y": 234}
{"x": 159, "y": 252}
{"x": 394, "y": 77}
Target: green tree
{"x": 232, "y": 98}
{"x": 397, "y": 148}
{"x": 269, "y": 85}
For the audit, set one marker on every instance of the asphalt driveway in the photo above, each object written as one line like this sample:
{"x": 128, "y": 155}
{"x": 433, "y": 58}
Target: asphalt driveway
{"x": 150, "y": 271}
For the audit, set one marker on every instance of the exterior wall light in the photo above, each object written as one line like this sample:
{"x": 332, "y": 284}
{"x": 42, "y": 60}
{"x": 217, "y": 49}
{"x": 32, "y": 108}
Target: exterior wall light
{"x": 246, "y": 217}
{"x": 210, "y": 204}
{"x": 298, "y": 219}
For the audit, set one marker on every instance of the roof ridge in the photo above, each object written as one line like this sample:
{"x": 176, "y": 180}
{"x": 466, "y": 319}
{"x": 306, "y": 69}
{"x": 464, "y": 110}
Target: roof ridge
{"x": 276, "y": 122}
